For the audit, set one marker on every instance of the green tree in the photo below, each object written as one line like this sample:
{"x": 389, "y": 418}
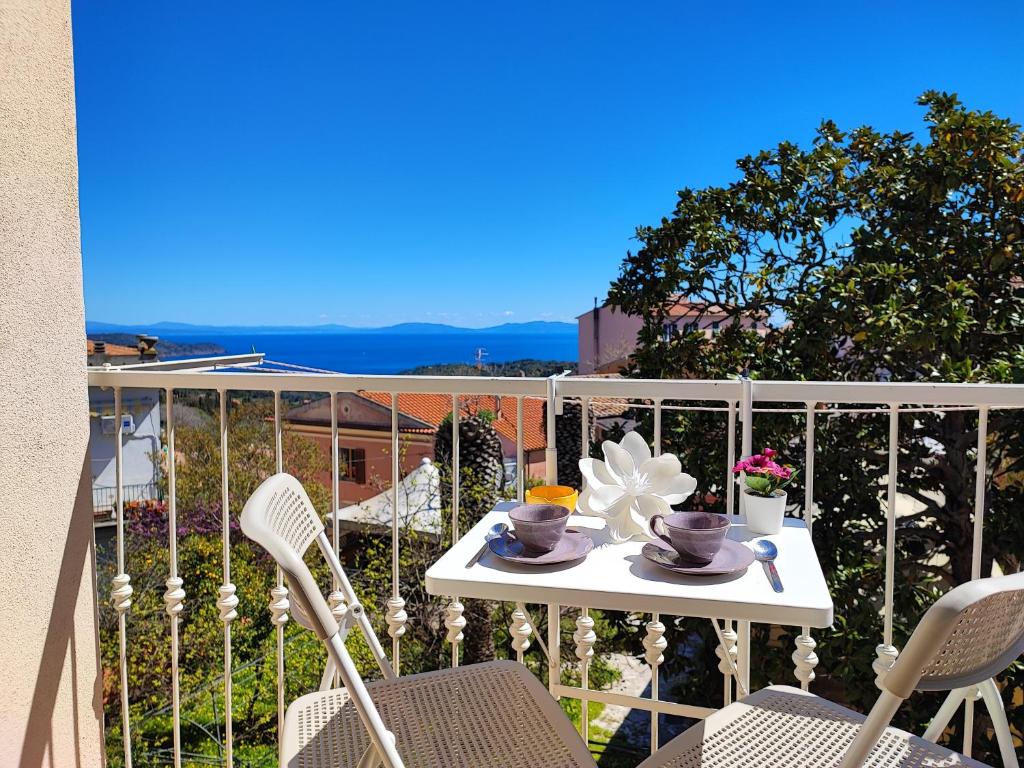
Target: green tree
{"x": 869, "y": 255}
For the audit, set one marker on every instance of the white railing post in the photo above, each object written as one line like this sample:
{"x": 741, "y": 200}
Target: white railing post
{"x": 886, "y": 652}
{"x": 980, "y": 477}
{"x": 804, "y": 657}
{"x": 336, "y": 600}
{"x": 227, "y": 600}
{"x": 396, "y": 615}
{"x": 520, "y": 467}
{"x": 279, "y": 604}
{"x": 121, "y": 593}
{"x": 174, "y": 597}
{"x": 456, "y": 622}
{"x": 550, "y": 449}
{"x": 654, "y": 648}
{"x": 743, "y": 627}
{"x": 584, "y": 637}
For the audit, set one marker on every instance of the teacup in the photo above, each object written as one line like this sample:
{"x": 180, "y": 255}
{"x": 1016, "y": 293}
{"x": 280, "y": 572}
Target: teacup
{"x": 695, "y": 536}
{"x": 539, "y": 526}
{"x": 562, "y": 495}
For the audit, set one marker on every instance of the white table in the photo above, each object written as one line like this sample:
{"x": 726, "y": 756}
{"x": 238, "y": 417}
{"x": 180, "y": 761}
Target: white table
{"x": 617, "y": 577}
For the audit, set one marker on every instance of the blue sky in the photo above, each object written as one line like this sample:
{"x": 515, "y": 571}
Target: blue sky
{"x": 461, "y": 162}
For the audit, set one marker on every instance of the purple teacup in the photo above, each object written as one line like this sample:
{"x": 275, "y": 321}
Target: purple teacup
{"x": 539, "y": 526}
{"x": 696, "y": 536}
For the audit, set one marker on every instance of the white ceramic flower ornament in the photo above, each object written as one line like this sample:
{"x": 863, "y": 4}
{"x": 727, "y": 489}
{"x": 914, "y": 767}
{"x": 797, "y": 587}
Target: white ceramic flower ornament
{"x": 630, "y": 486}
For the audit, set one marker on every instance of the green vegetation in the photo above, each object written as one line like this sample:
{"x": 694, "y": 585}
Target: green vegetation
{"x": 874, "y": 256}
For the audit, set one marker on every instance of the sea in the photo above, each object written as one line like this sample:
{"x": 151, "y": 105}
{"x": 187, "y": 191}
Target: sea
{"x": 388, "y": 353}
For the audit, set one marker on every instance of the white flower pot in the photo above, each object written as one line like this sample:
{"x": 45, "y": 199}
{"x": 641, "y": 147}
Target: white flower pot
{"x": 764, "y": 513}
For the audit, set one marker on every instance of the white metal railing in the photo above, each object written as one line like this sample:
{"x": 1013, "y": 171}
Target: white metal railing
{"x": 734, "y": 399}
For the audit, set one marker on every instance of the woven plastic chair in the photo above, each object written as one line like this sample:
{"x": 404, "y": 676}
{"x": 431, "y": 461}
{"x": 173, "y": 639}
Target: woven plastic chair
{"x": 494, "y": 714}
{"x": 969, "y": 635}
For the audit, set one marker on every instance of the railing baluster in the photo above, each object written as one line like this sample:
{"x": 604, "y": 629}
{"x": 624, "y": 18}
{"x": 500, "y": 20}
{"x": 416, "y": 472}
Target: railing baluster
{"x": 520, "y": 630}
{"x": 121, "y": 593}
{"x": 396, "y": 615}
{"x": 743, "y": 627}
{"x": 886, "y": 652}
{"x": 585, "y": 638}
{"x": 804, "y": 657}
{"x": 584, "y": 427}
{"x": 456, "y": 621}
{"x": 520, "y": 458}
{"x": 554, "y": 648}
{"x": 980, "y": 477}
{"x": 279, "y": 594}
{"x": 227, "y": 601}
{"x": 550, "y": 449}
{"x": 655, "y": 629}
{"x": 654, "y": 646}
{"x": 174, "y": 597}
{"x": 336, "y": 600}
{"x": 726, "y": 665}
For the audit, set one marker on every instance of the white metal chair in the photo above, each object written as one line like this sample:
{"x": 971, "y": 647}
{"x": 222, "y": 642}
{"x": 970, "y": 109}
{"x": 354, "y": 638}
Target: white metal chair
{"x": 969, "y": 635}
{"x": 494, "y": 714}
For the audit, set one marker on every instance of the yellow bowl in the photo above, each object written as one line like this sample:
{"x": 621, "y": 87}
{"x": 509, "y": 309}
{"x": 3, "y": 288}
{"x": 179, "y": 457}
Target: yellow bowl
{"x": 562, "y": 495}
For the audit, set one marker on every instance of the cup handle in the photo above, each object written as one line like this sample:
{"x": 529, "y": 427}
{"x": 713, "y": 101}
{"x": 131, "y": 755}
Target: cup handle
{"x": 652, "y": 527}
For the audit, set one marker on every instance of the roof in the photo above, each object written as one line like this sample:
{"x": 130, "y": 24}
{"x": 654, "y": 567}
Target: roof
{"x": 682, "y": 307}
{"x": 113, "y": 350}
{"x": 433, "y": 408}
{"x": 318, "y": 412}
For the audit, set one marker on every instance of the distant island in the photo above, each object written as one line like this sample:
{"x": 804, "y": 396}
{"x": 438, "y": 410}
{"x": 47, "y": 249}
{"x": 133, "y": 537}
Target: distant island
{"x": 164, "y": 348}
{"x": 177, "y": 329}
{"x": 511, "y": 368}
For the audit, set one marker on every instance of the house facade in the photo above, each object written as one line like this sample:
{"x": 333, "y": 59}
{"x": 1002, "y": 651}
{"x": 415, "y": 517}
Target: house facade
{"x": 364, "y": 435}
{"x": 607, "y": 336}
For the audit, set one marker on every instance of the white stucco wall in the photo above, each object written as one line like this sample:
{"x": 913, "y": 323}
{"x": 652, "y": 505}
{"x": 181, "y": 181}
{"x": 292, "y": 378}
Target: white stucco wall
{"x": 50, "y": 709}
{"x": 140, "y": 452}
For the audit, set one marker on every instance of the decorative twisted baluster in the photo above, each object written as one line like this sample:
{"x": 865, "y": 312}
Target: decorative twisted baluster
{"x": 520, "y": 630}
{"x": 121, "y": 593}
{"x": 584, "y": 637}
{"x": 279, "y": 606}
{"x": 227, "y": 602}
{"x": 455, "y": 622}
{"x": 886, "y": 658}
{"x": 396, "y": 617}
{"x": 655, "y": 644}
{"x": 727, "y": 656}
{"x": 336, "y": 601}
{"x": 174, "y": 597}
{"x": 805, "y": 659}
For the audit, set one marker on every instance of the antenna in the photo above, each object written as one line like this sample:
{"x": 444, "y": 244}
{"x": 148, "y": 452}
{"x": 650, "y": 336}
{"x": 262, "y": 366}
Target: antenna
{"x": 481, "y": 353}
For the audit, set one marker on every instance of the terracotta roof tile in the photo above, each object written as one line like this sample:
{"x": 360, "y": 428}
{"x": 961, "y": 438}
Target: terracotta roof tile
{"x": 114, "y": 350}
{"x": 433, "y": 408}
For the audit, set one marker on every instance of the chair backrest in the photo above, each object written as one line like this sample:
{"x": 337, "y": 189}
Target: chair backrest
{"x": 968, "y": 635}
{"x": 280, "y": 518}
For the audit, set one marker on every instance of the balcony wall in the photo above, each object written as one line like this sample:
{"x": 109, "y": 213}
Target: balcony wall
{"x": 50, "y": 712}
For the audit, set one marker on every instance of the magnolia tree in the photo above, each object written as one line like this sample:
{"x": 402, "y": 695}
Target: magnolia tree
{"x": 868, "y": 256}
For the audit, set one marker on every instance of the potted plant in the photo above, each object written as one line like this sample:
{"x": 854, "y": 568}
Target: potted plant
{"x": 764, "y": 495}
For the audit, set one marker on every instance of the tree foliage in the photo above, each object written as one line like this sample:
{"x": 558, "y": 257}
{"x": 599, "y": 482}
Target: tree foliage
{"x": 868, "y": 256}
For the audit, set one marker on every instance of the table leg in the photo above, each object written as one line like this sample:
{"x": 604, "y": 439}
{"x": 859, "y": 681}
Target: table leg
{"x": 743, "y": 656}
{"x": 554, "y": 648}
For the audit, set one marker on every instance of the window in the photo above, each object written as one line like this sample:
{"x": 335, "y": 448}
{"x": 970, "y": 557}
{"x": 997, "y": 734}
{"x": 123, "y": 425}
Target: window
{"x": 714, "y": 327}
{"x": 666, "y": 332}
{"x": 690, "y": 327}
{"x": 353, "y": 464}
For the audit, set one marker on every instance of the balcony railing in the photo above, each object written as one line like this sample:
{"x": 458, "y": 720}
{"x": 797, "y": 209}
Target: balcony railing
{"x": 737, "y": 402}
{"x": 104, "y": 497}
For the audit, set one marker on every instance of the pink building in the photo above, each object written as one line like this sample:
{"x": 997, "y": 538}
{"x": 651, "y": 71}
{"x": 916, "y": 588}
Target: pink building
{"x": 607, "y": 337}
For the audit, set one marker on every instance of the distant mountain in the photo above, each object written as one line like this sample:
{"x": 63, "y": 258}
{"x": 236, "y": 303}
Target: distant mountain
{"x": 178, "y": 329}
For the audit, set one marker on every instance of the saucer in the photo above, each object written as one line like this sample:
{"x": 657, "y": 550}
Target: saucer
{"x": 572, "y": 546}
{"x": 733, "y": 557}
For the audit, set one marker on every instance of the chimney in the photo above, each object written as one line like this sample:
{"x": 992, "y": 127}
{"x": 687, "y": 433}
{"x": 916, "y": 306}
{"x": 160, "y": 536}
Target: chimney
{"x": 147, "y": 345}
{"x": 99, "y": 348}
